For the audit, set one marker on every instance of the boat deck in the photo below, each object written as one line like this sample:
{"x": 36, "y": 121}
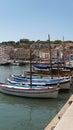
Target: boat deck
{"x": 64, "y": 119}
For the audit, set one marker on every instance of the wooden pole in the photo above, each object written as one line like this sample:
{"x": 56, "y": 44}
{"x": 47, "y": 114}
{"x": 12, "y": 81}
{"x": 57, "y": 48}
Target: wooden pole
{"x": 63, "y": 52}
{"x": 30, "y": 68}
{"x": 58, "y": 61}
{"x": 50, "y": 55}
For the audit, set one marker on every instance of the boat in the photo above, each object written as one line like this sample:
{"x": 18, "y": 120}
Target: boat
{"x": 41, "y": 66}
{"x": 46, "y": 66}
{"x": 4, "y": 62}
{"x": 54, "y": 71}
{"x": 69, "y": 65}
{"x": 23, "y": 77}
{"x": 64, "y": 82}
{"x": 30, "y": 91}
{"x": 69, "y": 62}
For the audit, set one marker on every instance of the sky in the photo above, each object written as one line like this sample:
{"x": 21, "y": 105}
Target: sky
{"x": 35, "y": 19}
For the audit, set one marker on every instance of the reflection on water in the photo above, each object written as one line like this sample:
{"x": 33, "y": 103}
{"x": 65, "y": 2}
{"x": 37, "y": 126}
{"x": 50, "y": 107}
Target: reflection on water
{"x": 25, "y": 113}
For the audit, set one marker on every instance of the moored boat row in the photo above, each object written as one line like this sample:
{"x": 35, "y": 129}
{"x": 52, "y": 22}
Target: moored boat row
{"x": 39, "y": 87}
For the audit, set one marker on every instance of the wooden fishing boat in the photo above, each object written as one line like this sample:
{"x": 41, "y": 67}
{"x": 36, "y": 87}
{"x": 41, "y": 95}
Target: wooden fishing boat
{"x": 64, "y": 82}
{"x": 29, "y": 91}
{"x": 37, "y": 78}
{"x": 54, "y": 72}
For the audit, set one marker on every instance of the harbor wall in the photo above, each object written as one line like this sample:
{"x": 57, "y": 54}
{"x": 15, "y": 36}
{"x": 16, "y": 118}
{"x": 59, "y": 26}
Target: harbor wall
{"x": 52, "y": 125}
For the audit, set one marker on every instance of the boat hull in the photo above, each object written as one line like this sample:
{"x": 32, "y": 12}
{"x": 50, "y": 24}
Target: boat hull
{"x": 65, "y": 85}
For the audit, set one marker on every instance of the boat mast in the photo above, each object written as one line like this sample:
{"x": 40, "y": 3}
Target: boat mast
{"x": 50, "y": 55}
{"x": 30, "y": 68}
{"x": 63, "y": 52}
{"x": 58, "y": 61}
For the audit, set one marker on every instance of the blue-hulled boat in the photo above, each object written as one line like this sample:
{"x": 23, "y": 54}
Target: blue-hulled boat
{"x": 63, "y": 81}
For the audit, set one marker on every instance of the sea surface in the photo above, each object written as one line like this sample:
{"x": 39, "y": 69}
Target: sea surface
{"x": 18, "y": 113}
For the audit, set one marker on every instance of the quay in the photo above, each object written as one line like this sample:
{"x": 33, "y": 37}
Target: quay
{"x": 64, "y": 119}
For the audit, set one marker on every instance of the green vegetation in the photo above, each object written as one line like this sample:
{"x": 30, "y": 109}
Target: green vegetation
{"x": 28, "y": 42}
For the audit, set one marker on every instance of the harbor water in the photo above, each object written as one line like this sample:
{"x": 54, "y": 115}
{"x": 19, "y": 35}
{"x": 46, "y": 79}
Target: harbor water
{"x": 18, "y": 113}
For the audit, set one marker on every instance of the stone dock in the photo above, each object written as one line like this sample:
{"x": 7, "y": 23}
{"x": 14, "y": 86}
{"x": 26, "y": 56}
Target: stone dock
{"x": 64, "y": 119}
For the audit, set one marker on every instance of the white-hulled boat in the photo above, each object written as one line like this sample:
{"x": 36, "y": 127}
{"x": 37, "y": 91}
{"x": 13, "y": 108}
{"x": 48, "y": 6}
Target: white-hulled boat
{"x": 30, "y": 91}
